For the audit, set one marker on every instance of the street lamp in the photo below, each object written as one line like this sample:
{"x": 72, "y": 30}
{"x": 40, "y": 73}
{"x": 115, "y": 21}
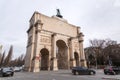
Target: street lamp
{"x": 109, "y": 61}
{"x": 96, "y": 61}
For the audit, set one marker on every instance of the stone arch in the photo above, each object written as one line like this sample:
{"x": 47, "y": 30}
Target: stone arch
{"x": 76, "y": 56}
{"x": 62, "y": 54}
{"x": 44, "y": 53}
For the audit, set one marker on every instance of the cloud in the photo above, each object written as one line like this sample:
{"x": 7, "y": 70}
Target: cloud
{"x": 97, "y": 19}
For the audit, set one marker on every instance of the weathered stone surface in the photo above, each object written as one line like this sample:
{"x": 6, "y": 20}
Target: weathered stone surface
{"x": 53, "y": 44}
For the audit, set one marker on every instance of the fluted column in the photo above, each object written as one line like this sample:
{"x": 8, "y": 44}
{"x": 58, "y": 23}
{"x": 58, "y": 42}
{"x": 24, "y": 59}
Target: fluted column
{"x": 81, "y": 50}
{"x": 54, "y": 59}
{"x": 72, "y": 59}
{"x": 36, "y": 60}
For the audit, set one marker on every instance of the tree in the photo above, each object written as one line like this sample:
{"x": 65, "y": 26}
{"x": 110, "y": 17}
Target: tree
{"x": 97, "y": 47}
{"x": 103, "y": 50}
{"x": 9, "y": 56}
{"x": 20, "y": 60}
{"x": 2, "y": 59}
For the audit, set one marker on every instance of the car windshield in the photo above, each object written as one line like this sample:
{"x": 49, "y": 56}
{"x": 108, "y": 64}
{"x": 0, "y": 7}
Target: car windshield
{"x": 7, "y": 69}
{"x": 110, "y": 67}
{"x": 84, "y": 68}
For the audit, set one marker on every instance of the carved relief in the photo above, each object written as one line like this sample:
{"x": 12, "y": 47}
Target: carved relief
{"x": 76, "y": 45}
{"x": 45, "y": 39}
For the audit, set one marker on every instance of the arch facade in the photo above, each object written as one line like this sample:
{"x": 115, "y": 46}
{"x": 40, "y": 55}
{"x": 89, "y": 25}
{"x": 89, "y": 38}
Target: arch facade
{"x": 53, "y": 44}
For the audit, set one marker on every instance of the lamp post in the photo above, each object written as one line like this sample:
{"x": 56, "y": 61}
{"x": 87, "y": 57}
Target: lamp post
{"x": 109, "y": 61}
{"x": 96, "y": 61}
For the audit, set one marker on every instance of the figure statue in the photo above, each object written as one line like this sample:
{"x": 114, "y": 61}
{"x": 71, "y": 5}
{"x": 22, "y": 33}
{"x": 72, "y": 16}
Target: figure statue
{"x": 58, "y": 14}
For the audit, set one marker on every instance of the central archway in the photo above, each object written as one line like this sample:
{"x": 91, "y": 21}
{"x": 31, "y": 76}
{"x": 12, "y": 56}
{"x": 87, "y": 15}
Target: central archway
{"x": 44, "y": 59}
{"x": 62, "y": 54}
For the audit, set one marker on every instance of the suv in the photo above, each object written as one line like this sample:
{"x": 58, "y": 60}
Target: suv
{"x": 6, "y": 72}
{"x": 111, "y": 70}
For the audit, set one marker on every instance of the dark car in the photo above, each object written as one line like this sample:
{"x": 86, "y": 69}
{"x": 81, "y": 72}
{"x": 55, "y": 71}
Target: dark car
{"x": 83, "y": 70}
{"x": 6, "y": 72}
{"x": 112, "y": 70}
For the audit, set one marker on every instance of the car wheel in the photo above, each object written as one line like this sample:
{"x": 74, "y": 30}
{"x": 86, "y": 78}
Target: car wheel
{"x": 12, "y": 74}
{"x": 3, "y": 75}
{"x": 74, "y": 72}
{"x": 77, "y": 73}
{"x": 92, "y": 73}
{"x": 105, "y": 73}
{"x": 113, "y": 73}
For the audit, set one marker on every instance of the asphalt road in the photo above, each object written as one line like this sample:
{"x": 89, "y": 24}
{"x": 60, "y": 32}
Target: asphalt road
{"x": 60, "y": 75}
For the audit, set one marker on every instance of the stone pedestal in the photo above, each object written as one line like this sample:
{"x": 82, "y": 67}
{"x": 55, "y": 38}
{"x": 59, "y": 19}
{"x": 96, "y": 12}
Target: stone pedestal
{"x": 36, "y": 67}
{"x": 72, "y": 63}
{"x": 83, "y": 63}
{"x": 55, "y": 67}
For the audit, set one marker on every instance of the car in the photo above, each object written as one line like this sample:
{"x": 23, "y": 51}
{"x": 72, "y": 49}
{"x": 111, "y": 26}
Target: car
{"x": 17, "y": 69}
{"x": 111, "y": 70}
{"x": 8, "y": 71}
{"x": 83, "y": 71}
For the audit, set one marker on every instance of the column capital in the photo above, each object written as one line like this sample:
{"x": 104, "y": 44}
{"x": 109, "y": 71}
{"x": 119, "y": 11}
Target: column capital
{"x": 80, "y": 34}
{"x": 38, "y": 22}
{"x": 69, "y": 39}
{"x": 53, "y": 58}
{"x": 37, "y": 31}
{"x": 54, "y": 34}
{"x": 72, "y": 59}
{"x": 81, "y": 41}
{"x": 80, "y": 37}
{"x": 82, "y": 60}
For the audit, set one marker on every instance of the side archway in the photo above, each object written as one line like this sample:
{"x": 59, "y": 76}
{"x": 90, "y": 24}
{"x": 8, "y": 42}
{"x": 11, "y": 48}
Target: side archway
{"x": 44, "y": 53}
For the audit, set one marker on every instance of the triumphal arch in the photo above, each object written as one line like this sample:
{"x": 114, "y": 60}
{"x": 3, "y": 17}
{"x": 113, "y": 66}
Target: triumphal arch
{"x": 53, "y": 44}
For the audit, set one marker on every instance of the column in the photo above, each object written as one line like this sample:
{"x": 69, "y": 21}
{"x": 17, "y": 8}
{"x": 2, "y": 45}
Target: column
{"x": 36, "y": 61}
{"x": 82, "y": 55}
{"x": 68, "y": 56}
{"x": 49, "y": 61}
{"x": 72, "y": 59}
{"x": 54, "y": 59}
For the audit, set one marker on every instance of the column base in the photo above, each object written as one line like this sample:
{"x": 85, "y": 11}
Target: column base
{"x": 72, "y": 63}
{"x": 28, "y": 69}
{"x": 37, "y": 69}
{"x": 55, "y": 67}
{"x": 35, "y": 66}
{"x": 83, "y": 63}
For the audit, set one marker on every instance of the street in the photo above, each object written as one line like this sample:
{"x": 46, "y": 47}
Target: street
{"x": 60, "y": 75}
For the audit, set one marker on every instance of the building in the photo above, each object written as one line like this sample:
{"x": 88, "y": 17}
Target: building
{"x": 53, "y": 44}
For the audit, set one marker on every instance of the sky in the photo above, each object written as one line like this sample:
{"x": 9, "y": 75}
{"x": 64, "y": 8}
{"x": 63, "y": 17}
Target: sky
{"x": 98, "y": 19}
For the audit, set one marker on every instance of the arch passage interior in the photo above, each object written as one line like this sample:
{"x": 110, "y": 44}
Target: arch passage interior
{"x": 62, "y": 55}
{"x": 44, "y": 59}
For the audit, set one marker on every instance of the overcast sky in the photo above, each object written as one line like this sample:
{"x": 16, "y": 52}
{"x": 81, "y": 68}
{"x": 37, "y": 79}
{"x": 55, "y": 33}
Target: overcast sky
{"x": 97, "y": 18}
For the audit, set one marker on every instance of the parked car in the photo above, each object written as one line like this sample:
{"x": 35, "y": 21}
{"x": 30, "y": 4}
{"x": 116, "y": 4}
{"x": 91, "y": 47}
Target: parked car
{"x": 6, "y": 71}
{"x": 17, "y": 69}
{"x": 83, "y": 70}
{"x": 112, "y": 70}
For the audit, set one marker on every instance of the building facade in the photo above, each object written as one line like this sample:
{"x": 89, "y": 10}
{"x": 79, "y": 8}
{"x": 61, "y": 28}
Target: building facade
{"x": 53, "y": 44}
